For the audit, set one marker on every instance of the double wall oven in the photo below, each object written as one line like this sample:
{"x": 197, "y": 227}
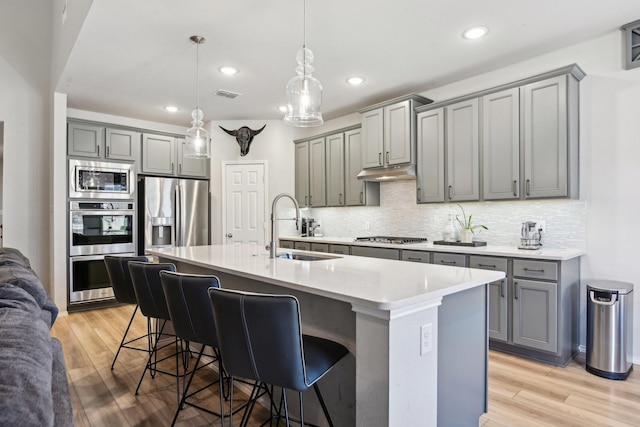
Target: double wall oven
{"x": 102, "y": 221}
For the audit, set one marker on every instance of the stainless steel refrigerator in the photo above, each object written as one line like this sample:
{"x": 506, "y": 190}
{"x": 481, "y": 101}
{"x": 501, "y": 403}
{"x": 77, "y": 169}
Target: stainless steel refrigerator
{"x": 172, "y": 212}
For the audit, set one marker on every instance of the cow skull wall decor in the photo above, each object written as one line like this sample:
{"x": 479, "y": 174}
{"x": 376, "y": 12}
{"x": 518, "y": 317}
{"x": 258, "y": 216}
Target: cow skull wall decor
{"x": 244, "y": 136}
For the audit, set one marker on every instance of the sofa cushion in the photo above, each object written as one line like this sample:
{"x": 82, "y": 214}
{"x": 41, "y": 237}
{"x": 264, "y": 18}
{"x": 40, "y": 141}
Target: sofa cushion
{"x": 13, "y": 256}
{"x": 25, "y": 361}
{"x": 26, "y": 278}
{"x": 62, "y": 410}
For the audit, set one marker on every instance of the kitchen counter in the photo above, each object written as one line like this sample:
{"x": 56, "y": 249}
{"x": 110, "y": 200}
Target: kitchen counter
{"x": 555, "y": 254}
{"x": 417, "y": 331}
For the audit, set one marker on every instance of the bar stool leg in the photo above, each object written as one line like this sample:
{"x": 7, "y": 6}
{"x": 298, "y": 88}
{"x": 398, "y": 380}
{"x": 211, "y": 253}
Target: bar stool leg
{"x": 151, "y": 356}
{"x": 324, "y": 407}
{"x": 124, "y": 337}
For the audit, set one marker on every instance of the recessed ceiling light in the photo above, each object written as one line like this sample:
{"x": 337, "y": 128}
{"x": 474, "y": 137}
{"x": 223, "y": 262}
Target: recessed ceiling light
{"x": 475, "y": 33}
{"x": 355, "y": 80}
{"x": 171, "y": 109}
{"x": 229, "y": 71}
{"x": 282, "y": 108}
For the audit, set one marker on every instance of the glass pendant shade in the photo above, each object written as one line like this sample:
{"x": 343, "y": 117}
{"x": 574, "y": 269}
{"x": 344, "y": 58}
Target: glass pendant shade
{"x": 197, "y": 142}
{"x": 304, "y": 94}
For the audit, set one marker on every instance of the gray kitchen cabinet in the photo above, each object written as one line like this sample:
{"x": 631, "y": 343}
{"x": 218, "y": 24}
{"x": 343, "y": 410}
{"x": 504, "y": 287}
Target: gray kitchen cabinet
{"x": 287, "y": 244}
{"x": 317, "y": 173}
{"x": 303, "y": 246}
{"x": 340, "y": 249}
{"x": 335, "y": 169}
{"x": 357, "y": 192}
{"x": 430, "y": 162}
{"x": 101, "y": 142}
{"x": 501, "y": 145}
{"x": 302, "y": 173}
{"x": 498, "y": 297}
{"x": 374, "y": 252}
{"x": 462, "y": 142}
{"x": 158, "y": 154}
{"x": 535, "y": 314}
{"x": 388, "y": 132}
{"x": 546, "y": 138}
{"x": 416, "y": 256}
{"x": 188, "y": 166}
{"x": 163, "y": 155}
{"x": 320, "y": 247}
{"x": 452, "y": 260}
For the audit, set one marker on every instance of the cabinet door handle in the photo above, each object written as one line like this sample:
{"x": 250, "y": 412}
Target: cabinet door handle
{"x": 380, "y": 159}
{"x": 338, "y": 251}
{"x": 310, "y": 200}
{"x": 179, "y": 168}
{"x": 419, "y": 194}
{"x": 515, "y": 188}
{"x": 534, "y": 270}
{"x": 361, "y": 197}
{"x": 171, "y": 167}
{"x": 486, "y": 265}
{"x": 444, "y": 261}
{"x": 528, "y": 187}
{"x": 450, "y": 191}
{"x": 502, "y": 288}
{"x": 515, "y": 290}
{"x": 387, "y": 157}
{"x": 410, "y": 258}
{"x": 107, "y": 149}
{"x": 98, "y": 147}
{"x": 305, "y": 200}
{"x": 340, "y": 199}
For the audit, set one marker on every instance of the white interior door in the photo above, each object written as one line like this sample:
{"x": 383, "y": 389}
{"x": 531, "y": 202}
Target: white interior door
{"x": 244, "y": 203}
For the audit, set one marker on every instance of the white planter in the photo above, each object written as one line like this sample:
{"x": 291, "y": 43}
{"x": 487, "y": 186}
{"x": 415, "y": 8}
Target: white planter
{"x": 466, "y": 236}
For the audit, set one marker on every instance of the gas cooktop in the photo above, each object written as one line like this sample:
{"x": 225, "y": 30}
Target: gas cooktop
{"x": 389, "y": 239}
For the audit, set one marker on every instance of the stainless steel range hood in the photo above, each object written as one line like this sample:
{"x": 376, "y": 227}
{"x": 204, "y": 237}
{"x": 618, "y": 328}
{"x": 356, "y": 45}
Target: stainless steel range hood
{"x": 393, "y": 173}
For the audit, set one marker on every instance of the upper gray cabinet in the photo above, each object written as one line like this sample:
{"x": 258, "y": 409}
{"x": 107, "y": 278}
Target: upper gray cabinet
{"x": 100, "y": 142}
{"x": 327, "y": 167}
{"x": 462, "y": 151}
{"x": 550, "y": 138}
{"x": 163, "y": 155}
{"x": 388, "y": 132}
{"x": 501, "y": 145}
{"x": 430, "y": 162}
{"x": 517, "y": 141}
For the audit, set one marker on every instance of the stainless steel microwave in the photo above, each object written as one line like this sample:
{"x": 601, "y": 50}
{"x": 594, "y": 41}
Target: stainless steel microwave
{"x": 101, "y": 180}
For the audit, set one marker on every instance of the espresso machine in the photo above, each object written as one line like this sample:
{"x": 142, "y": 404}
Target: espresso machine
{"x": 530, "y": 235}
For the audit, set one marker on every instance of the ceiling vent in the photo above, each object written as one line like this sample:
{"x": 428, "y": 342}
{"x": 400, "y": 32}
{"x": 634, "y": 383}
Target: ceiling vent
{"x": 227, "y": 94}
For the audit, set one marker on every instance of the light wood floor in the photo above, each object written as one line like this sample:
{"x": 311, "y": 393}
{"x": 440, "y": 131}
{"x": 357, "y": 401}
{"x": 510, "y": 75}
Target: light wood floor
{"x": 521, "y": 392}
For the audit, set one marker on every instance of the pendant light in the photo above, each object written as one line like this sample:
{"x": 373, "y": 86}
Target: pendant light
{"x": 197, "y": 138}
{"x": 304, "y": 92}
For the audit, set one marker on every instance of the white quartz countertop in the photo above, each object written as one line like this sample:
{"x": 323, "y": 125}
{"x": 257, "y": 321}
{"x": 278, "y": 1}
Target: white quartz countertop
{"x": 376, "y": 283}
{"x": 556, "y": 254}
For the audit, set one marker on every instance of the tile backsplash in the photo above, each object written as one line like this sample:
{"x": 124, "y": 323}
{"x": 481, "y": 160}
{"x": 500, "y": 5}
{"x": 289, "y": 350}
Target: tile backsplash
{"x": 400, "y": 215}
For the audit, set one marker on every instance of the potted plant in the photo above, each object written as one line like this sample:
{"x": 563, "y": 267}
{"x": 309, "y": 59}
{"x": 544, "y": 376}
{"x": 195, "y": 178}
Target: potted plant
{"x": 467, "y": 228}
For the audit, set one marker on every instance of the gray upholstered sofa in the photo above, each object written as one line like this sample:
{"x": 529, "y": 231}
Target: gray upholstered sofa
{"x": 33, "y": 377}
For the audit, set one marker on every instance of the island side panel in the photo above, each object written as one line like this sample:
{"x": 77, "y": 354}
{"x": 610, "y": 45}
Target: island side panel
{"x": 396, "y": 383}
{"x": 322, "y": 317}
{"x": 462, "y": 358}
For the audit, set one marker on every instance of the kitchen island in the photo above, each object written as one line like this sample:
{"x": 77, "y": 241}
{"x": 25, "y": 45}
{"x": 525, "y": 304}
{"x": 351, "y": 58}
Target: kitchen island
{"x": 417, "y": 332}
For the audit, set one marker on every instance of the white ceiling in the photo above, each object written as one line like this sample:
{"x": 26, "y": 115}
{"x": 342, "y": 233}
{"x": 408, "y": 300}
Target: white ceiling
{"x": 134, "y": 57}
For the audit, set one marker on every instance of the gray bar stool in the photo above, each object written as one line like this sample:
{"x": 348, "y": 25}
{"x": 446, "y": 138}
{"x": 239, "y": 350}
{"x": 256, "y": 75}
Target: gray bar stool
{"x": 148, "y": 287}
{"x": 118, "y": 272}
{"x": 192, "y": 317}
{"x": 260, "y": 338}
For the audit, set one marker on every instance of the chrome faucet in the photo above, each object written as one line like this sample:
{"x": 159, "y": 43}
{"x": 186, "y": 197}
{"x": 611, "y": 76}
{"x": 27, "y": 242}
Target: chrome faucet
{"x": 272, "y": 245}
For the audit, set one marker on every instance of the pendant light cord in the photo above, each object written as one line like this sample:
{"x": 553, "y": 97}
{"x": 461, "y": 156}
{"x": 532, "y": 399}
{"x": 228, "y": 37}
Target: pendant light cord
{"x": 304, "y": 37}
{"x": 198, "y": 75}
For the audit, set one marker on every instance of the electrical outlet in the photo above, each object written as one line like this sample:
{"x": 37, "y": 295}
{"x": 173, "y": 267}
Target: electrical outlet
{"x": 542, "y": 225}
{"x": 367, "y": 225}
{"x": 426, "y": 338}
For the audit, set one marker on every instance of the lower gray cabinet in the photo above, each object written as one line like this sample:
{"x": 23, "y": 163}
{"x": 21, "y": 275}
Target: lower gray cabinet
{"x": 452, "y": 260}
{"x": 416, "y": 256}
{"x": 320, "y": 247}
{"x": 340, "y": 249}
{"x": 303, "y": 246}
{"x": 535, "y": 314}
{"x": 385, "y": 253}
{"x": 287, "y": 244}
{"x": 498, "y": 314}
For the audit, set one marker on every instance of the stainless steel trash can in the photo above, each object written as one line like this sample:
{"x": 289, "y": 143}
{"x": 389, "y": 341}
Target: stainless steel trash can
{"x": 609, "y": 328}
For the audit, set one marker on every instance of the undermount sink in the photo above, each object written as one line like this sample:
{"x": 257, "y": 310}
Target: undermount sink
{"x": 306, "y": 257}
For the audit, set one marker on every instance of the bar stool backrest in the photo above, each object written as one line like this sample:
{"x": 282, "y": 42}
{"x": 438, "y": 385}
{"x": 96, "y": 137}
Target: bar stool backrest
{"x": 119, "y": 277}
{"x": 148, "y": 287}
{"x": 189, "y": 305}
{"x": 259, "y": 337}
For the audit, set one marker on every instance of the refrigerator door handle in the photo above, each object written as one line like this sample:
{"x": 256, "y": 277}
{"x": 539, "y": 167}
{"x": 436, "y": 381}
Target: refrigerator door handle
{"x": 178, "y": 216}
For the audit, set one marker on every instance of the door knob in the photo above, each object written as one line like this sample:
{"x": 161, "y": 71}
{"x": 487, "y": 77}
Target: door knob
{"x": 229, "y": 235}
